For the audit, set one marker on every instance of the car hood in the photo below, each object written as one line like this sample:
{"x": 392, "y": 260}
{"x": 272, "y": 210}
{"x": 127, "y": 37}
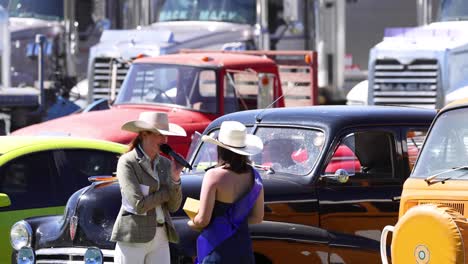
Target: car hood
{"x": 97, "y": 207}
{"x": 169, "y": 37}
{"x": 106, "y": 124}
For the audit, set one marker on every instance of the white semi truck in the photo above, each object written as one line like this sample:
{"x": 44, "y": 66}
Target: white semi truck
{"x": 424, "y": 66}
{"x": 68, "y": 28}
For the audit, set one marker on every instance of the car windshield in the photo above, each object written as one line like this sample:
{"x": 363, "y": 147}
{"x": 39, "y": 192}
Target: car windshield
{"x": 446, "y": 148}
{"x": 451, "y": 10}
{"x": 184, "y": 86}
{"x": 43, "y": 9}
{"x": 235, "y": 11}
{"x": 286, "y": 150}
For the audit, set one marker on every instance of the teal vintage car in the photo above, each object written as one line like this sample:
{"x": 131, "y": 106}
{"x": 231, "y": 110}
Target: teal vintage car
{"x": 38, "y": 174}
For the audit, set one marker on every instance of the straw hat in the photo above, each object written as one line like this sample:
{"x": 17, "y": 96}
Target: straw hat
{"x": 154, "y": 122}
{"x": 233, "y": 136}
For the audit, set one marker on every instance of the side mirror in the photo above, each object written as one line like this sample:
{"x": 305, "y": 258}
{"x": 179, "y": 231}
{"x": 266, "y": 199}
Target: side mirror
{"x": 32, "y": 49}
{"x": 4, "y": 200}
{"x": 94, "y": 29}
{"x": 340, "y": 176}
{"x": 291, "y": 10}
{"x": 103, "y": 24}
{"x": 234, "y": 46}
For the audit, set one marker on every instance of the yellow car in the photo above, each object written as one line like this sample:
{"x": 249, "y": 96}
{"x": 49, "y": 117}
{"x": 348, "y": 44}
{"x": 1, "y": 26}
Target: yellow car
{"x": 38, "y": 174}
{"x": 432, "y": 225}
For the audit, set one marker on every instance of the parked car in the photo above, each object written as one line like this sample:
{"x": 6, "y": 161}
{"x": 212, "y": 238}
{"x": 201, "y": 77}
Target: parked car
{"x": 316, "y": 210}
{"x": 432, "y": 224}
{"x": 38, "y": 175}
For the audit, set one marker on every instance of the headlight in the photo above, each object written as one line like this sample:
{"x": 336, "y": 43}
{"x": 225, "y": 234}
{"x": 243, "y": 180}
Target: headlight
{"x": 93, "y": 255}
{"x": 20, "y": 235}
{"x": 25, "y": 256}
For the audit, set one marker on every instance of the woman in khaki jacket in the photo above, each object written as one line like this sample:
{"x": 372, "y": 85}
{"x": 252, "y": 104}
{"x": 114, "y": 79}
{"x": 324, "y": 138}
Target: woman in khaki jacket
{"x": 150, "y": 188}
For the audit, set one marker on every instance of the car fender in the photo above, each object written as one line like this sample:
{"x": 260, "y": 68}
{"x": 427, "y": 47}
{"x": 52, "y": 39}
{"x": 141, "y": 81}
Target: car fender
{"x": 264, "y": 232}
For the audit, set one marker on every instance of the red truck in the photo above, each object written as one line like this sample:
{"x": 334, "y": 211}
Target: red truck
{"x": 195, "y": 87}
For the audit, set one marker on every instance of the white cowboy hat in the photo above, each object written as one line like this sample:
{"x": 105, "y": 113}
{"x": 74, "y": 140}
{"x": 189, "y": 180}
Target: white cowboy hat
{"x": 155, "y": 122}
{"x": 233, "y": 136}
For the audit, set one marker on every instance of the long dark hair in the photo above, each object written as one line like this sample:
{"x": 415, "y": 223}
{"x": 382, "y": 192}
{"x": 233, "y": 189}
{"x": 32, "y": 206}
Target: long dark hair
{"x": 135, "y": 142}
{"x": 233, "y": 161}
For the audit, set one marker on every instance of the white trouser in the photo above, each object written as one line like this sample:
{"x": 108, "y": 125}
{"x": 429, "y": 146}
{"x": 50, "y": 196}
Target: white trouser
{"x": 154, "y": 251}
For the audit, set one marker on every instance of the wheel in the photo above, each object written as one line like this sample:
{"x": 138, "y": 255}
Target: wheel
{"x": 430, "y": 234}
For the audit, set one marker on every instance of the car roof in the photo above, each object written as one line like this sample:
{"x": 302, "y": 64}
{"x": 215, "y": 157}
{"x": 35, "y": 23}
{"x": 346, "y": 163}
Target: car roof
{"x": 209, "y": 59}
{"x": 11, "y": 143}
{"x": 456, "y": 104}
{"x": 333, "y": 117}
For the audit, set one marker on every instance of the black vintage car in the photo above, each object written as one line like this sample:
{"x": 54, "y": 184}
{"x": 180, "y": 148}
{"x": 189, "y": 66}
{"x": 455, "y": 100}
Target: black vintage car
{"x": 332, "y": 175}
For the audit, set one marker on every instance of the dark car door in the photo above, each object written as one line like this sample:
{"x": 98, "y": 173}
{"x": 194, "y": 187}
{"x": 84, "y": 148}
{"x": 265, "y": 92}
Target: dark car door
{"x": 75, "y": 166}
{"x": 28, "y": 181}
{"x": 356, "y": 211}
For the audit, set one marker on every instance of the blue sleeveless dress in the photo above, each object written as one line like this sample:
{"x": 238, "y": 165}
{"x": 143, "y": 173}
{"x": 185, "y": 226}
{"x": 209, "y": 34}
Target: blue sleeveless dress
{"x": 227, "y": 239}
{"x": 237, "y": 248}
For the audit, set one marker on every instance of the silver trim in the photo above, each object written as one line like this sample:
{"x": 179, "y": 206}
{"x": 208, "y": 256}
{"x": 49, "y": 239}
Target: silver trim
{"x": 400, "y": 80}
{"x": 400, "y": 100}
{"x": 405, "y": 93}
{"x": 70, "y": 251}
{"x": 407, "y": 74}
{"x": 295, "y": 201}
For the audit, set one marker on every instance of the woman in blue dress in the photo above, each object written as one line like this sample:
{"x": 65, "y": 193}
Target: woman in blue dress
{"x": 231, "y": 197}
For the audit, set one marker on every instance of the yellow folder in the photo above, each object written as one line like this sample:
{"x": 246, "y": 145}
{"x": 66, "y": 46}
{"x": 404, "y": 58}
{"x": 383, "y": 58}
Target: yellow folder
{"x": 191, "y": 207}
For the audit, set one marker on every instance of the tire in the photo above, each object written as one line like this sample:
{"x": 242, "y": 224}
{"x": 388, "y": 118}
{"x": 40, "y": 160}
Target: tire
{"x": 430, "y": 234}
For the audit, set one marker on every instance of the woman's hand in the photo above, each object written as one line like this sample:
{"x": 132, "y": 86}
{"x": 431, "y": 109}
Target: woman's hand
{"x": 176, "y": 170}
{"x": 192, "y": 225}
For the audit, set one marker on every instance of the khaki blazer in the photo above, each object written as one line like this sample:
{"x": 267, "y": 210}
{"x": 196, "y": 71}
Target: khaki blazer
{"x": 134, "y": 169}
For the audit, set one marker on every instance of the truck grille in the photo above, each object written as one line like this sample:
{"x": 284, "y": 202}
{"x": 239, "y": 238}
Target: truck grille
{"x": 68, "y": 255}
{"x": 102, "y": 74}
{"x": 457, "y": 206}
{"x": 413, "y": 84}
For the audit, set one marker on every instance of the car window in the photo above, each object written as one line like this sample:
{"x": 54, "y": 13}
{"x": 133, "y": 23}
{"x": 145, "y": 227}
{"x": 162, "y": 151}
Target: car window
{"x": 365, "y": 154}
{"x": 28, "y": 181}
{"x": 240, "y": 91}
{"x": 414, "y": 141}
{"x": 207, "y": 156}
{"x": 76, "y": 165}
{"x": 343, "y": 158}
{"x": 286, "y": 150}
{"x": 446, "y": 146}
{"x": 289, "y": 150}
{"x": 186, "y": 86}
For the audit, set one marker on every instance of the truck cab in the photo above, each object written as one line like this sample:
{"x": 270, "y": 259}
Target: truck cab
{"x": 171, "y": 25}
{"x": 422, "y": 66}
{"x": 432, "y": 217}
{"x": 194, "y": 88}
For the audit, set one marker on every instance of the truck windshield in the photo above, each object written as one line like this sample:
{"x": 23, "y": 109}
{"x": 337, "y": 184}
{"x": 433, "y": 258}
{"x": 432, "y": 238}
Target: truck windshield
{"x": 43, "y": 9}
{"x": 234, "y": 11}
{"x": 446, "y": 147}
{"x": 184, "y": 86}
{"x": 286, "y": 150}
{"x": 451, "y": 10}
